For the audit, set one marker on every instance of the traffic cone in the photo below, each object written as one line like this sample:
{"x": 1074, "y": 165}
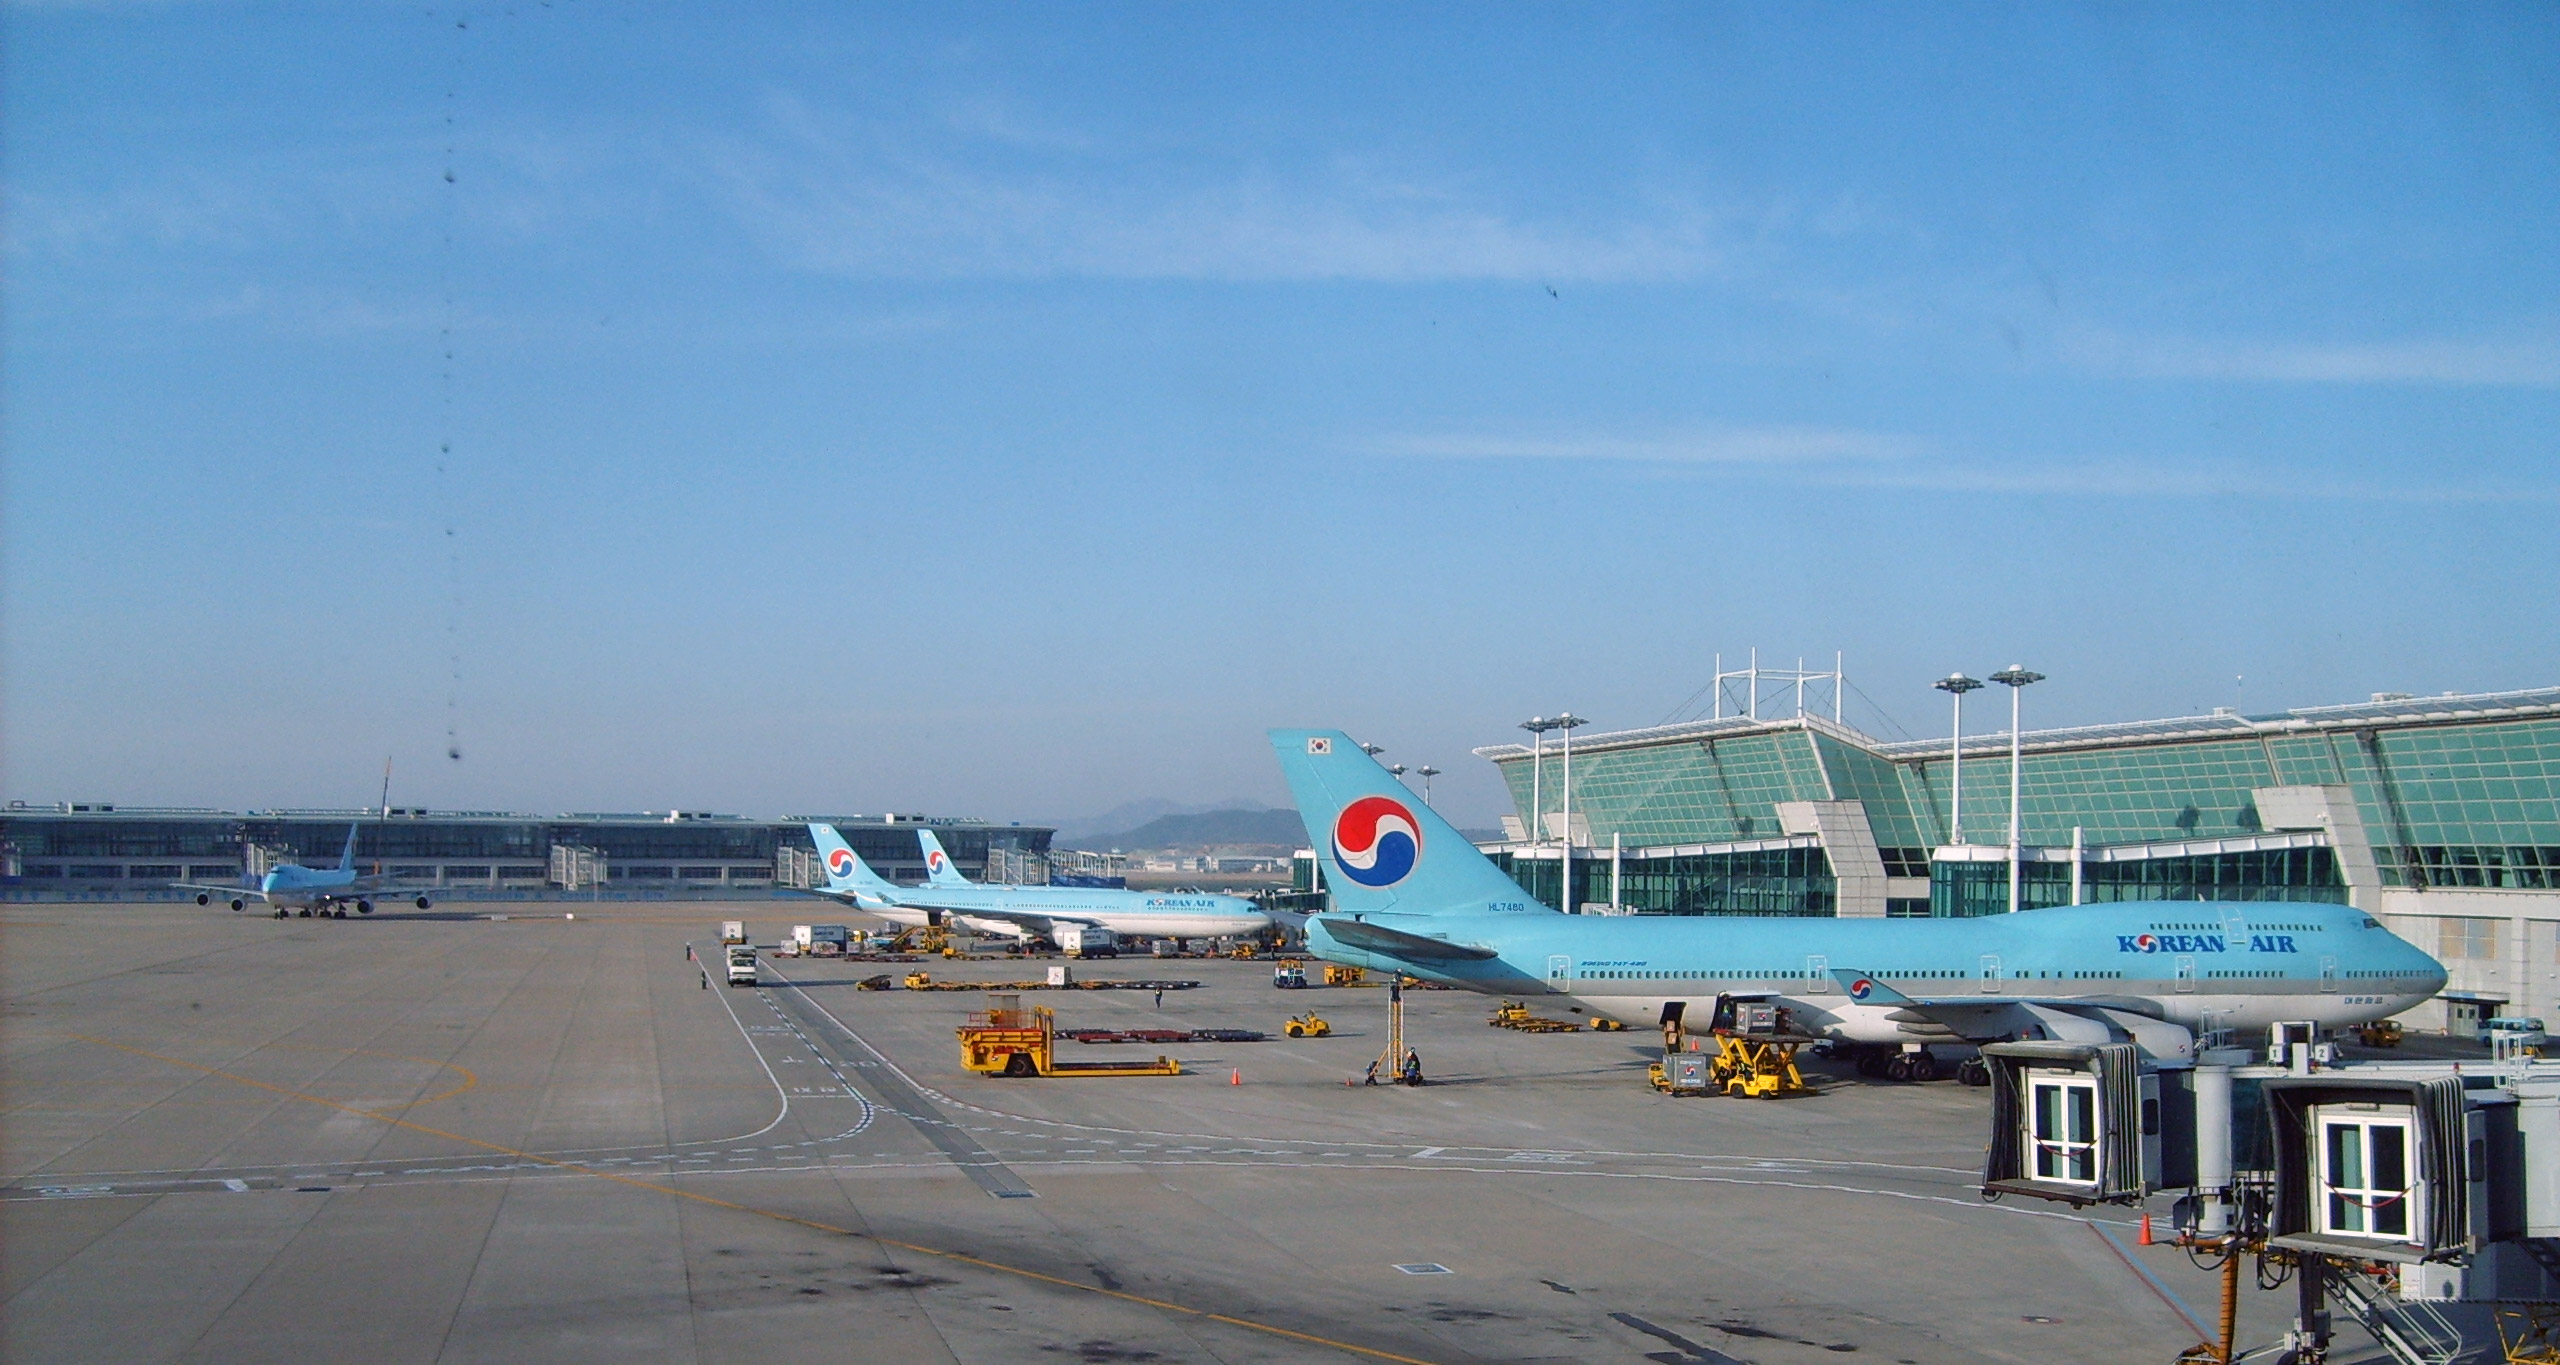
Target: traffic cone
{"x": 1236, "y": 1077}
{"x": 2145, "y": 1238}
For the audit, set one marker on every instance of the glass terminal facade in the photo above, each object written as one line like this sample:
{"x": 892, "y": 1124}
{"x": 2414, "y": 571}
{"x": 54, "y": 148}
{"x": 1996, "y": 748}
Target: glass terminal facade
{"x": 2420, "y": 793}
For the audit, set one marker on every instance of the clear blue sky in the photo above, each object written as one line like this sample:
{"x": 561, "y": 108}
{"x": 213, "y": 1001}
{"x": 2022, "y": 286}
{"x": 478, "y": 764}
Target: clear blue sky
{"x": 1012, "y": 410}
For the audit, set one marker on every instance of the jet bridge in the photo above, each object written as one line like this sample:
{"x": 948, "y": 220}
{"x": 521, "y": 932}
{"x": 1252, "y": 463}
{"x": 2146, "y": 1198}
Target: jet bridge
{"x": 2422, "y": 1198}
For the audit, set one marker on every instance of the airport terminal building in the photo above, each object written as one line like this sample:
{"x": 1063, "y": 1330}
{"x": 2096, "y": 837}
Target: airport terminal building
{"x": 2440, "y": 815}
{"x": 108, "y": 852}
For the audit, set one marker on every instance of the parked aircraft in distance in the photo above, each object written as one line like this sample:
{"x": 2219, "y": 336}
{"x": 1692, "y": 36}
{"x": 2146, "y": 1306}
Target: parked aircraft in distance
{"x": 1025, "y": 911}
{"x": 324, "y": 891}
{"x": 1410, "y": 895}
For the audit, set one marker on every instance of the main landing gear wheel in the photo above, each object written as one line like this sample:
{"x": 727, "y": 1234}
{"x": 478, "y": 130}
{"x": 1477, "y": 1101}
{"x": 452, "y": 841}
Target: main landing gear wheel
{"x": 1923, "y": 1067}
{"x": 1869, "y": 1064}
{"x": 303, "y": 913}
{"x": 1973, "y": 1071}
{"x": 279, "y": 912}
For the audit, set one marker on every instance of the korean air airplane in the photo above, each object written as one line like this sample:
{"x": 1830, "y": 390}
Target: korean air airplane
{"x": 323, "y": 891}
{"x": 1410, "y": 895}
{"x": 1028, "y": 910}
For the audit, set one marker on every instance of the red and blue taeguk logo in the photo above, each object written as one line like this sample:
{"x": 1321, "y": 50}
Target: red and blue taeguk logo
{"x": 1376, "y": 841}
{"x": 933, "y": 861}
{"x": 840, "y": 861}
{"x": 1861, "y": 988}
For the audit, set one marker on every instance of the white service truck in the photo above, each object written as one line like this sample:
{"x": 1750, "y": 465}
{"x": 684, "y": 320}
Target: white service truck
{"x": 742, "y": 964}
{"x": 1079, "y": 941}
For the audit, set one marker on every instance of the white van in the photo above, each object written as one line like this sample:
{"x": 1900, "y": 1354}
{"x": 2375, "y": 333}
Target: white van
{"x": 2514, "y": 1032}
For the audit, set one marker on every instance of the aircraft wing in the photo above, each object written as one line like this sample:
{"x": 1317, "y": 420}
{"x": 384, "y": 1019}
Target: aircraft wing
{"x": 1985, "y": 1018}
{"x": 234, "y": 889}
{"x": 1377, "y": 938}
{"x": 1038, "y": 921}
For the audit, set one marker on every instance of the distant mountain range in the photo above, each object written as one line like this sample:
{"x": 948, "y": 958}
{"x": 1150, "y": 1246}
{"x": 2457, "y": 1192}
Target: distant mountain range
{"x": 1132, "y": 814}
{"x": 1199, "y": 830}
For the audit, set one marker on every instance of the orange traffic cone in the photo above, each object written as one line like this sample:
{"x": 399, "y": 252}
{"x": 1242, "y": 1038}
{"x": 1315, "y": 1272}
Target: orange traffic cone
{"x": 2145, "y": 1238}
{"x": 1236, "y": 1077}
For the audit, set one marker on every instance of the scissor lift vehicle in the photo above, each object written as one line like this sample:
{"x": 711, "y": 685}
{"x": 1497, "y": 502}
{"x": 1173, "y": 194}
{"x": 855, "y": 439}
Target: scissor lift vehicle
{"x": 1756, "y": 1046}
{"x": 1008, "y": 1040}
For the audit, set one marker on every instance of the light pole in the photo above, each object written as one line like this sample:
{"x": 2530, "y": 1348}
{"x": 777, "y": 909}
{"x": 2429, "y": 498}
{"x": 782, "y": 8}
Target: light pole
{"x": 2015, "y": 679}
{"x": 1426, "y": 772}
{"x": 1537, "y": 726}
{"x": 1566, "y": 721}
{"x": 1956, "y": 684}
{"x": 1397, "y": 769}
{"x": 1373, "y": 750}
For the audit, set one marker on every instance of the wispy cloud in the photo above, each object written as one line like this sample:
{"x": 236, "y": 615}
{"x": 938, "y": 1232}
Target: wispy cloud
{"x": 2522, "y": 362}
{"x": 1852, "y": 459}
{"x": 970, "y": 198}
{"x": 1759, "y": 445}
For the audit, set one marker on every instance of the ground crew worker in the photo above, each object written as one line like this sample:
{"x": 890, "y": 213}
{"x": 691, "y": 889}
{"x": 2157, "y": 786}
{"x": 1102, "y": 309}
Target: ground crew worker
{"x": 1373, "y": 1072}
{"x": 1412, "y": 1067}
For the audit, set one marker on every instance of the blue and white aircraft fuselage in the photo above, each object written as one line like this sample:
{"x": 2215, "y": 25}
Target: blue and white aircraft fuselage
{"x": 1411, "y": 895}
{"x": 310, "y": 890}
{"x": 1027, "y": 911}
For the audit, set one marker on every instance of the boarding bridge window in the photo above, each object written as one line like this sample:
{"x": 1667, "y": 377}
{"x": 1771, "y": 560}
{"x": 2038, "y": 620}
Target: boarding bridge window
{"x": 2062, "y": 1126}
{"x": 2367, "y": 1153}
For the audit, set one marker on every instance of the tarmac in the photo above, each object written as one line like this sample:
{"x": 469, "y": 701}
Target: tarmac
{"x": 448, "y": 1138}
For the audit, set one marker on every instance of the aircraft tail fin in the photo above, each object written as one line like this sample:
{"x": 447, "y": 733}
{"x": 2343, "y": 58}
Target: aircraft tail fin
{"x": 347, "y": 858}
{"x": 1379, "y": 846}
{"x": 1867, "y": 989}
{"x": 846, "y": 872}
{"x": 938, "y": 870}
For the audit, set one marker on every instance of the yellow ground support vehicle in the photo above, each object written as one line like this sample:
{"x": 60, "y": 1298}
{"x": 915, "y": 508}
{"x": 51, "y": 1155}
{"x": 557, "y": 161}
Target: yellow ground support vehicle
{"x": 931, "y": 938}
{"x": 1756, "y": 1046}
{"x": 1008, "y": 1040}
{"x": 1336, "y": 974}
{"x": 2379, "y": 1033}
{"x": 1601, "y": 1023}
{"x": 1512, "y": 1014}
{"x": 1307, "y": 1025}
{"x": 1756, "y": 1068}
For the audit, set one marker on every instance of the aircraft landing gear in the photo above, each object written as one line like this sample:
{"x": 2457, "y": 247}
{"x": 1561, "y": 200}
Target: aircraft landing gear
{"x": 1910, "y": 1066}
{"x": 303, "y": 913}
{"x": 339, "y": 913}
{"x": 279, "y": 912}
{"x": 1973, "y": 1071}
